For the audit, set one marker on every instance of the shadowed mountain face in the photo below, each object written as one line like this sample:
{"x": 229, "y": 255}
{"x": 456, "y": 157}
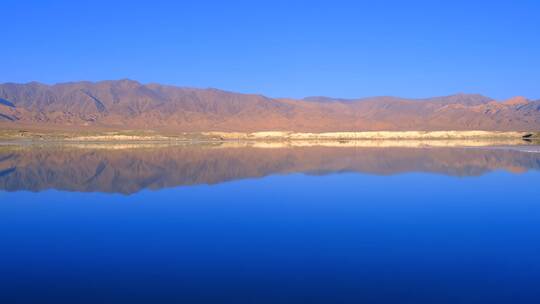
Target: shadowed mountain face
{"x": 127, "y": 104}
{"x": 132, "y": 170}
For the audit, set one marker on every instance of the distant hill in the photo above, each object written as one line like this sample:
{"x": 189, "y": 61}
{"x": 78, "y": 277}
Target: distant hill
{"x": 127, "y": 104}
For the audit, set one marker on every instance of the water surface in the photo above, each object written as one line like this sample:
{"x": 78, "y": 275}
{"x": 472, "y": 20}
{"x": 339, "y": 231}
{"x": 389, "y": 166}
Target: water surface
{"x": 241, "y": 224}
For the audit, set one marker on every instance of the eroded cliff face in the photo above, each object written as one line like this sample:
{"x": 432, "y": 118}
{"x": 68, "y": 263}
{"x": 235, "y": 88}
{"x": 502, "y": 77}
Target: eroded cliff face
{"x": 132, "y": 169}
{"x": 127, "y": 104}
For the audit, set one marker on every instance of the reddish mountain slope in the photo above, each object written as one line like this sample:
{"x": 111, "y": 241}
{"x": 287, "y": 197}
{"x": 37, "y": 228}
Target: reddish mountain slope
{"x": 127, "y": 104}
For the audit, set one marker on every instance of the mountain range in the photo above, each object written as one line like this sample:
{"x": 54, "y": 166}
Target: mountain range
{"x": 128, "y": 104}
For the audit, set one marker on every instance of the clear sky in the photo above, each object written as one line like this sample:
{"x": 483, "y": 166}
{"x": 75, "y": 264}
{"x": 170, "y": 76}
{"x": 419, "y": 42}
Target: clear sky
{"x": 280, "y": 48}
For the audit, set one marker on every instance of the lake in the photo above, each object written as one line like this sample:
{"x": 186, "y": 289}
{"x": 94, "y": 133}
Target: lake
{"x": 240, "y": 223}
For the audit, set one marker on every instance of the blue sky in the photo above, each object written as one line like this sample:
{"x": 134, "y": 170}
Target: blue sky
{"x": 281, "y": 48}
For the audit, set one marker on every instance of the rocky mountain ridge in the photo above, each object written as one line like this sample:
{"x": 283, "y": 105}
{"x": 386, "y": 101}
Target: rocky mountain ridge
{"x": 127, "y": 104}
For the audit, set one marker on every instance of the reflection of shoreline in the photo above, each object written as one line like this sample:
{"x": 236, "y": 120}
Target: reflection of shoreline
{"x": 131, "y": 169}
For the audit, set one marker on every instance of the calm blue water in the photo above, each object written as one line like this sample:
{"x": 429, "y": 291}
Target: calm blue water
{"x": 339, "y": 236}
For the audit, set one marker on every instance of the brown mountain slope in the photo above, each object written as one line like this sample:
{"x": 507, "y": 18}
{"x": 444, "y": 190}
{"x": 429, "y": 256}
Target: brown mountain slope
{"x": 127, "y": 104}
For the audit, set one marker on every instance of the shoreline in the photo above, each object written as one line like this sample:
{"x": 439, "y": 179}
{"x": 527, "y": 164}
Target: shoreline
{"x": 265, "y": 136}
{"x": 273, "y": 139}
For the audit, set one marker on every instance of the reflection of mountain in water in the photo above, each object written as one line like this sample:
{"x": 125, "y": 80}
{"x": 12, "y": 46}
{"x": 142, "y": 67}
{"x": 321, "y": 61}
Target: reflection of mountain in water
{"x": 131, "y": 170}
